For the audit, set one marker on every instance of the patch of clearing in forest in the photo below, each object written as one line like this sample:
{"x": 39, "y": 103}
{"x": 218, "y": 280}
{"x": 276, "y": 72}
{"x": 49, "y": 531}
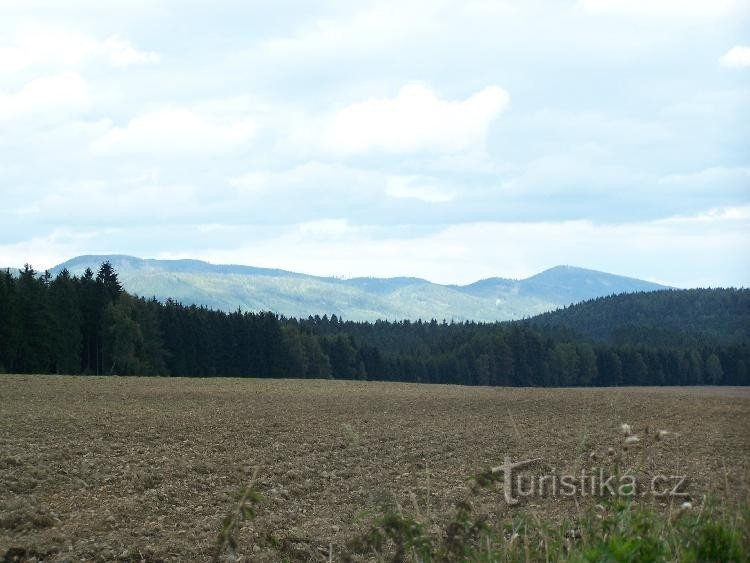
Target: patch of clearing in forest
{"x": 131, "y": 468}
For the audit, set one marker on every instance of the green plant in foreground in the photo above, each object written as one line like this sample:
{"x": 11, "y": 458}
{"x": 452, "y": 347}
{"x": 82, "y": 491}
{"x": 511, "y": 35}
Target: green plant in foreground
{"x": 247, "y": 499}
{"x": 350, "y": 435}
{"x": 620, "y": 529}
{"x": 622, "y": 533}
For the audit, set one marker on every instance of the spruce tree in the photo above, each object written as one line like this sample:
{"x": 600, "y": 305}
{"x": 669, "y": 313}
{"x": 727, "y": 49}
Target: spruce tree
{"x": 66, "y": 338}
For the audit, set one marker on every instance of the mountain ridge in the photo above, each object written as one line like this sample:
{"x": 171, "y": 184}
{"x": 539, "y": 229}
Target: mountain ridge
{"x": 232, "y": 286}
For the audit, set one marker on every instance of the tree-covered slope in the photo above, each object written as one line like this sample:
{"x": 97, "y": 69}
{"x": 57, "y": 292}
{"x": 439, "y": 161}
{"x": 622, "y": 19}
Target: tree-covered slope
{"x": 669, "y": 317}
{"x": 89, "y": 324}
{"x": 299, "y": 295}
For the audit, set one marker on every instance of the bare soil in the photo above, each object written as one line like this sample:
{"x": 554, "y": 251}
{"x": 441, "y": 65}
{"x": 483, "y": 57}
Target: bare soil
{"x": 144, "y": 468}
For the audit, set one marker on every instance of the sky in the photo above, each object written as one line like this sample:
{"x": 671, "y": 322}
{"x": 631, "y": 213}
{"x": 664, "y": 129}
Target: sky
{"x": 452, "y": 141}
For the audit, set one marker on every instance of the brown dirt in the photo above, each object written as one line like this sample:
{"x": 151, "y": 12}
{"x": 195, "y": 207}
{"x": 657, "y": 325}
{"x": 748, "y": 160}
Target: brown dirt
{"x": 136, "y": 468}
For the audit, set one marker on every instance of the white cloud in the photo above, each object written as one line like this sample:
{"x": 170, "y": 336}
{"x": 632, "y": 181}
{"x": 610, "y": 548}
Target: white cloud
{"x": 60, "y": 48}
{"x": 310, "y": 178}
{"x": 596, "y": 128}
{"x": 669, "y": 8}
{"x": 416, "y": 119}
{"x": 324, "y": 228}
{"x": 704, "y": 249}
{"x": 46, "y": 251}
{"x": 122, "y": 54}
{"x": 415, "y": 187}
{"x": 177, "y": 131}
{"x": 56, "y": 94}
{"x": 402, "y": 161}
{"x": 701, "y": 252}
{"x": 140, "y": 199}
{"x": 372, "y": 29}
{"x": 718, "y": 214}
{"x": 727, "y": 178}
{"x": 736, "y": 57}
{"x": 252, "y": 182}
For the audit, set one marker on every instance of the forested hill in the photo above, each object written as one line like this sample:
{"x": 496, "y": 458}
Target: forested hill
{"x": 292, "y": 294}
{"x": 90, "y": 325}
{"x": 670, "y": 318}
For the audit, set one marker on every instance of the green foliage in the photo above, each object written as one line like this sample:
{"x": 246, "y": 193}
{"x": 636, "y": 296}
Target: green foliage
{"x": 616, "y": 532}
{"x": 122, "y": 339}
{"x": 247, "y": 500}
{"x": 89, "y": 325}
{"x": 33, "y": 323}
{"x": 342, "y": 353}
{"x": 675, "y": 318}
{"x": 108, "y": 280}
{"x": 714, "y": 371}
{"x": 404, "y": 536}
{"x": 715, "y": 541}
{"x": 351, "y": 436}
{"x": 66, "y": 338}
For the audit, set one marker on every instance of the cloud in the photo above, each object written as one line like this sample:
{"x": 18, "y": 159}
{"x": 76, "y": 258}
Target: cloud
{"x": 56, "y": 94}
{"x": 312, "y": 179}
{"x": 596, "y": 128}
{"x": 347, "y": 35}
{"x": 121, "y": 53}
{"x": 736, "y": 57}
{"x": 669, "y": 8}
{"x": 415, "y": 120}
{"x": 414, "y": 187}
{"x": 717, "y": 179}
{"x": 324, "y": 229}
{"x": 46, "y": 250}
{"x": 59, "y": 48}
{"x": 702, "y": 249}
{"x": 701, "y": 252}
{"x": 376, "y": 114}
{"x": 313, "y": 174}
{"x": 718, "y": 214}
{"x": 177, "y": 131}
{"x": 310, "y": 191}
{"x": 116, "y": 201}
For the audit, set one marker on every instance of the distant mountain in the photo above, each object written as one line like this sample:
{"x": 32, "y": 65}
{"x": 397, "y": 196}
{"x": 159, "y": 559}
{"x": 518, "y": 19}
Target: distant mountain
{"x": 228, "y": 287}
{"x": 683, "y": 318}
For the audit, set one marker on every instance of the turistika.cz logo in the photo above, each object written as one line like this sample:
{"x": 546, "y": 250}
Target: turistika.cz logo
{"x": 588, "y": 483}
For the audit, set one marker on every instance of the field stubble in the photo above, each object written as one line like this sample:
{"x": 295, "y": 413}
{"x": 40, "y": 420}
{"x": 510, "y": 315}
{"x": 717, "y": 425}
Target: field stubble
{"x": 140, "y": 468}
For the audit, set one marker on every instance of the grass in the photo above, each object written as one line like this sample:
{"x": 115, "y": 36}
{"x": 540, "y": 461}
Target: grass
{"x": 618, "y": 532}
{"x": 621, "y": 528}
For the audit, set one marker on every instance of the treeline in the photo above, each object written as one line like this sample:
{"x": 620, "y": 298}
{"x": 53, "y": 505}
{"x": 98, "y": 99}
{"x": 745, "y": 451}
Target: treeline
{"x": 89, "y": 325}
{"x": 684, "y": 318}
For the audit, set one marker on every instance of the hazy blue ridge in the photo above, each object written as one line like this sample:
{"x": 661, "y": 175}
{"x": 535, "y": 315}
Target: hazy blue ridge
{"x": 228, "y": 287}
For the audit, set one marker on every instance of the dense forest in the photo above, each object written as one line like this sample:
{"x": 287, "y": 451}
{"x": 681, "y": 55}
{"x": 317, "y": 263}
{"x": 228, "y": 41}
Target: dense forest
{"x": 683, "y": 318}
{"x": 90, "y": 325}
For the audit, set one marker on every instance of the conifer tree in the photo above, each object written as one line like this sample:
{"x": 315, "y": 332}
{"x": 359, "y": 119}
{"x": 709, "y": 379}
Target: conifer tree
{"x": 66, "y": 338}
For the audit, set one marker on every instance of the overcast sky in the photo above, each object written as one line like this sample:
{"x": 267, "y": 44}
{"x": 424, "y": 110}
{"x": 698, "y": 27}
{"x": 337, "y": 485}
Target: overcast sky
{"x": 447, "y": 140}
